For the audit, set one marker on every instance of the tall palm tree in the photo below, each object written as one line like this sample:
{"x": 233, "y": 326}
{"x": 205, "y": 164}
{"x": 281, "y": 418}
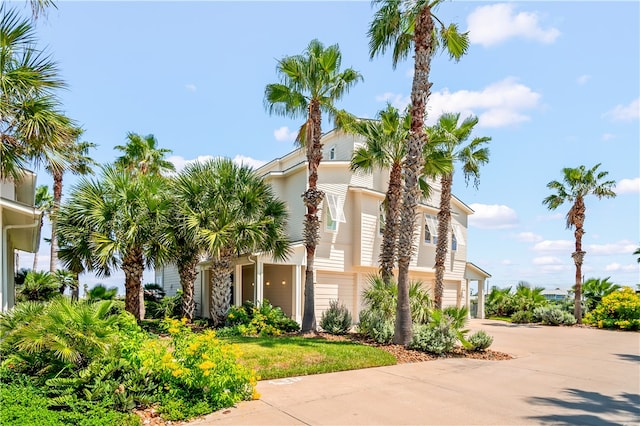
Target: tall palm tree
{"x": 384, "y": 148}
{"x": 310, "y": 84}
{"x": 44, "y": 203}
{"x": 122, "y": 216}
{"x": 142, "y": 155}
{"x": 30, "y": 119}
{"x": 227, "y": 210}
{"x": 637, "y": 253}
{"x": 402, "y": 25}
{"x": 577, "y": 184}
{"x": 450, "y": 137}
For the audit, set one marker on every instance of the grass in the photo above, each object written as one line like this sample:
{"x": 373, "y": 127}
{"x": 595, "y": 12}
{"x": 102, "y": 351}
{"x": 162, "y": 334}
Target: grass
{"x": 277, "y": 357}
{"x": 494, "y": 317}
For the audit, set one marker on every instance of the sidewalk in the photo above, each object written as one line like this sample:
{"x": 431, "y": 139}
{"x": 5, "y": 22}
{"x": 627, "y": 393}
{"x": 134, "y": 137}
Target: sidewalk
{"x": 561, "y": 375}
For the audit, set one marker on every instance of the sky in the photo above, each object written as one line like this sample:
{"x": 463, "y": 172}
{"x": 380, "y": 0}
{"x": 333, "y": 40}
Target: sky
{"x": 554, "y": 84}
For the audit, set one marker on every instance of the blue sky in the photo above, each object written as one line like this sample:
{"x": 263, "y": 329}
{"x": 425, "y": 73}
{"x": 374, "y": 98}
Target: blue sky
{"x": 555, "y": 84}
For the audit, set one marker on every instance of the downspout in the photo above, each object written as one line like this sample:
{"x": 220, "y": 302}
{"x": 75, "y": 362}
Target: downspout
{"x": 5, "y": 280}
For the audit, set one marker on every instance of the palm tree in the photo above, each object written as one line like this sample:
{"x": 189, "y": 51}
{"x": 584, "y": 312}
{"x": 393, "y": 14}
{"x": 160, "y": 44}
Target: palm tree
{"x": 527, "y": 298}
{"x": 637, "y": 253}
{"x": 594, "y": 289}
{"x": 227, "y": 210}
{"x": 121, "y": 217}
{"x": 450, "y": 138}
{"x": 577, "y": 184}
{"x": 142, "y": 155}
{"x": 65, "y": 279}
{"x": 309, "y": 85}
{"x": 401, "y": 25}
{"x": 44, "y": 203}
{"x": 38, "y": 286}
{"x": 30, "y": 120}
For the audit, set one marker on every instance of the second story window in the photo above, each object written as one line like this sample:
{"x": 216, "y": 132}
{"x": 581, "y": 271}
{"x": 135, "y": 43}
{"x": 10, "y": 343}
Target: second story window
{"x": 454, "y": 242}
{"x": 381, "y": 218}
{"x": 332, "y": 153}
{"x": 334, "y": 212}
{"x": 430, "y": 229}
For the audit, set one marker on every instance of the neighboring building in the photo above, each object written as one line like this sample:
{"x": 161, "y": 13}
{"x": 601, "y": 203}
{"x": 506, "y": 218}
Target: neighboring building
{"x": 350, "y": 238}
{"x": 555, "y": 294}
{"x": 20, "y": 230}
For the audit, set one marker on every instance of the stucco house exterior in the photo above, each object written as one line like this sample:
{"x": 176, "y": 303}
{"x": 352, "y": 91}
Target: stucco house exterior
{"x": 350, "y": 216}
{"x": 20, "y": 222}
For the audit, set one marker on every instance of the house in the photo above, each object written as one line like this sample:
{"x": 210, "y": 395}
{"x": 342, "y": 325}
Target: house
{"x": 350, "y": 237}
{"x": 556, "y": 294}
{"x": 20, "y": 230}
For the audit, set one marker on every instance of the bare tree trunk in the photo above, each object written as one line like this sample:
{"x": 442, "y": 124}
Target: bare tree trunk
{"x": 412, "y": 167}
{"x": 53, "y": 217}
{"x": 390, "y": 233}
{"x": 133, "y": 267}
{"x": 187, "y": 271}
{"x": 444, "y": 221}
{"x": 312, "y": 198}
{"x": 221, "y": 270}
{"x": 578, "y": 256}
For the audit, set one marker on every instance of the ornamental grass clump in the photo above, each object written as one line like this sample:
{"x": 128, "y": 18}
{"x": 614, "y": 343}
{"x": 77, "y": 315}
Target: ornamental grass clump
{"x": 480, "y": 341}
{"x": 337, "y": 319}
{"x": 620, "y": 309}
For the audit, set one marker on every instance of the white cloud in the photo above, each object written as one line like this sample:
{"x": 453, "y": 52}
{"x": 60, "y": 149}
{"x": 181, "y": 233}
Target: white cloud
{"x": 547, "y": 260}
{"x": 499, "y": 104}
{"x": 181, "y": 162}
{"x": 550, "y": 246}
{"x": 608, "y": 136}
{"x": 248, "y": 161}
{"x": 493, "y": 216}
{"x": 283, "y": 134}
{"x": 528, "y": 237}
{"x": 620, "y": 247}
{"x": 493, "y": 24}
{"x": 612, "y": 267}
{"x": 626, "y": 186}
{"x": 190, "y": 87}
{"x": 506, "y": 262}
{"x": 583, "y": 79}
{"x": 625, "y": 112}
{"x": 549, "y": 217}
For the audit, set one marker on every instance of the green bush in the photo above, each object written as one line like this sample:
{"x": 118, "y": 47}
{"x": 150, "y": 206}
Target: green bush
{"x": 620, "y": 309}
{"x": 436, "y": 339}
{"x": 522, "y": 317}
{"x": 262, "y": 320}
{"x": 480, "y": 340}
{"x": 376, "y": 325}
{"x": 337, "y": 319}
{"x": 553, "y": 315}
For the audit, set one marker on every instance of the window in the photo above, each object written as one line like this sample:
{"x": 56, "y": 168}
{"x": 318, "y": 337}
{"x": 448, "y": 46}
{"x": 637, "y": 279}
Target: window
{"x": 334, "y": 211}
{"x": 332, "y": 153}
{"x": 430, "y": 229}
{"x": 381, "y": 218}
{"x": 330, "y": 223}
{"x": 454, "y": 242}
{"x": 457, "y": 233}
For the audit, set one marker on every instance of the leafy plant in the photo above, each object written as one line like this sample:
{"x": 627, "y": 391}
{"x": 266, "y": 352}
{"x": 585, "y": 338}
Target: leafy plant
{"x": 437, "y": 337}
{"x": 337, "y": 319}
{"x": 499, "y": 302}
{"x": 553, "y": 315}
{"x": 594, "y": 289}
{"x": 522, "y": 317}
{"x": 38, "y": 286}
{"x": 261, "y": 320}
{"x": 101, "y": 292}
{"x": 376, "y": 325}
{"x": 480, "y": 340}
{"x": 620, "y": 309}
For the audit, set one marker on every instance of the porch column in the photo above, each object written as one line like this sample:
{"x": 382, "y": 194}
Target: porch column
{"x": 237, "y": 286}
{"x": 481, "y": 299}
{"x": 296, "y": 291}
{"x": 259, "y": 288}
{"x": 467, "y": 299}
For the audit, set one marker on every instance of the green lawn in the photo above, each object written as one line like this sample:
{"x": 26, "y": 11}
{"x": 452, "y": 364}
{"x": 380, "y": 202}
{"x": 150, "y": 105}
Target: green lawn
{"x": 277, "y": 357}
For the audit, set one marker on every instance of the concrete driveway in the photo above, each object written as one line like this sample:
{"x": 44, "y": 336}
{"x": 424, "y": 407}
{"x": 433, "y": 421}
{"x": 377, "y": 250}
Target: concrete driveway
{"x": 560, "y": 376}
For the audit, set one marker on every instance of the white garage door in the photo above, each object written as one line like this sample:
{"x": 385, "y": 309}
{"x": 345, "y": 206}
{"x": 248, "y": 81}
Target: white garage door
{"x": 334, "y": 286}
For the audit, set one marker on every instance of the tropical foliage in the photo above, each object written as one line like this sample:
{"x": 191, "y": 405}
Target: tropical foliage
{"x": 262, "y": 319}
{"x": 310, "y": 84}
{"x": 577, "y": 184}
{"x": 38, "y": 286}
{"x": 337, "y": 319}
{"x": 620, "y": 309}
{"x": 594, "y": 289}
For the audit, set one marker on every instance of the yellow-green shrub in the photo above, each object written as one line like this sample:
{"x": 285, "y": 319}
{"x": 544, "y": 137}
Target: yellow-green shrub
{"x": 620, "y": 309}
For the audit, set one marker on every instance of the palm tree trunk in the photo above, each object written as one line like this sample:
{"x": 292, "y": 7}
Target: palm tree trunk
{"x": 35, "y": 255}
{"x": 578, "y": 255}
{"x": 187, "y": 271}
{"x": 312, "y": 198}
{"x": 412, "y": 166}
{"x": 133, "y": 267}
{"x": 390, "y": 233}
{"x": 221, "y": 270}
{"x": 75, "y": 290}
{"x": 444, "y": 220}
{"x": 53, "y": 217}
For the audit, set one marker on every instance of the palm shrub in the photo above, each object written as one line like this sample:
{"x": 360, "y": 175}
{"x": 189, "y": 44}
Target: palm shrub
{"x": 499, "y": 302}
{"x": 527, "y": 298}
{"x": 38, "y": 286}
{"x": 480, "y": 340}
{"x": 337, "y": 319}
{"x": 620, "y": 309}
{"x": 101, "y": 292}
{"x": 594, "y": 289}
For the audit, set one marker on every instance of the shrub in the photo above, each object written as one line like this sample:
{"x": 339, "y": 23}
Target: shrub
{"x": 620, "y": 309}
{"x": 522, "y": 317}
{"x": 480, "y": 340}
{"x": 337, "y": 319}
{"x": 553, "y": 315}
{"x": 436, "y": 339}
{"x": 262, "y": 320}
{"x": 376, "y": 325}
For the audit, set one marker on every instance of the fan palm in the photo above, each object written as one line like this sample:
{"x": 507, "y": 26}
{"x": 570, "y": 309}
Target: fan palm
{"x": 122, "y": 217}
{"x": 594, "y": 289}
{"x": 637, "y": 253}
{"x": 577, "y": 184}
{"x": 309, "y": 85}
{"x": 142, "y": 155}
{"x": 450, "y": 137}
{"x": 30, "y": 120}
{"x": 38, "y": 286}
{"x": 226, "y": 210}
{"x": 401, "y": 25}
